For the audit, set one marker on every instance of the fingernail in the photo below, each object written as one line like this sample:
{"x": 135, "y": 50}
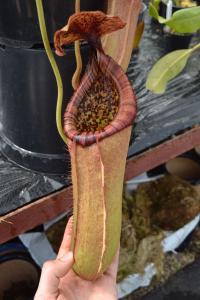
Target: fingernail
{"x": 67, "y": 257}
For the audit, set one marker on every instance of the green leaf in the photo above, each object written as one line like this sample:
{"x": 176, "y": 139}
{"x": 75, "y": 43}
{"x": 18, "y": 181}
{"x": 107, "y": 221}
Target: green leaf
{"x": 185, "y": 20}
{"x": 165, "y": 69}
{"x": 156, "y": 3}
{"x": 153, "y": 12}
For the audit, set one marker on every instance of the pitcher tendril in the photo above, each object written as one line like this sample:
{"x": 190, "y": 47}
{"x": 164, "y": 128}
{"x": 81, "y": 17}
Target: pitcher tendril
{"x": 54, "y": 66}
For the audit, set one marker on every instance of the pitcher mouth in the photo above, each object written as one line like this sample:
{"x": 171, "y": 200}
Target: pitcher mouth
{"x": 115, "y": 110}
{"x": 104, "y": 103}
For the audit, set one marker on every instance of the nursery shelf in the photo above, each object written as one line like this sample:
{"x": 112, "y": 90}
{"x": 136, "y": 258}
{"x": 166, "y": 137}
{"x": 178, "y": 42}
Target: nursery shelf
{"x": 46, "y": 208}
{"x": 166, "y": 126}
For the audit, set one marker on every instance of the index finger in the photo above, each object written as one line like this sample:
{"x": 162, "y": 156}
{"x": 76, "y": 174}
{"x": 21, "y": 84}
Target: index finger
{"x": 66, "y": 242}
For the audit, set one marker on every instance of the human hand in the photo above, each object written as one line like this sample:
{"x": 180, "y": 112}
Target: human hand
{"x": 59, "y": 282}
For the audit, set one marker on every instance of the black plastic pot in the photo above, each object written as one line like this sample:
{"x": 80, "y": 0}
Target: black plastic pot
{"x": 28, "y": 96}
{"x": 176, "y": 41}
{"x": 163, "y": 9}
{"x": 19, "y": 21}
{"x": 19, "y": 275}
{"x": 28, "y": 89}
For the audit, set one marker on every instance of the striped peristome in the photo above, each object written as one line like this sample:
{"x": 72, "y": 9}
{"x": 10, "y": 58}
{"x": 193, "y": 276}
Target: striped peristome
{"x": 127, "y": 103}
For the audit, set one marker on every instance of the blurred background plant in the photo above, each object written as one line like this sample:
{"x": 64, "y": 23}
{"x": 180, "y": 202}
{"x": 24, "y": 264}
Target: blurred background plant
{"x": 182, "y": 22}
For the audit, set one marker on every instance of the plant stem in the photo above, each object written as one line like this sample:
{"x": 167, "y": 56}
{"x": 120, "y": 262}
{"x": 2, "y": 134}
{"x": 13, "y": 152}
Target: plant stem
{"x": 54, "y": 66}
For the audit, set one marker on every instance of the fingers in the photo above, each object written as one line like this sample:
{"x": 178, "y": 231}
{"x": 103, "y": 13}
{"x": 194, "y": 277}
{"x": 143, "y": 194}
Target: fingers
{"x": 112, "y": 270}
{"x": 65, "y": 245}
{"x": 52, "y": 271}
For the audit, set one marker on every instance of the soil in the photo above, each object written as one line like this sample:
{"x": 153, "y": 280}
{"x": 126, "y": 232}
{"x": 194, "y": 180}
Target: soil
{"x": 173, "y": 262}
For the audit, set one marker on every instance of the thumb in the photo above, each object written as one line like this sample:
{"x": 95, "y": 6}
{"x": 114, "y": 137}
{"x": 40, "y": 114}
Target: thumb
{"x": 52, "y": 271}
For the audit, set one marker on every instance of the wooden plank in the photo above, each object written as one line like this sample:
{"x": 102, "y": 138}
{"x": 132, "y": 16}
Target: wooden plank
{"x": 34, "y": 214}
{"x": 162, "y": 153}
{"x": 49, "y": 207}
